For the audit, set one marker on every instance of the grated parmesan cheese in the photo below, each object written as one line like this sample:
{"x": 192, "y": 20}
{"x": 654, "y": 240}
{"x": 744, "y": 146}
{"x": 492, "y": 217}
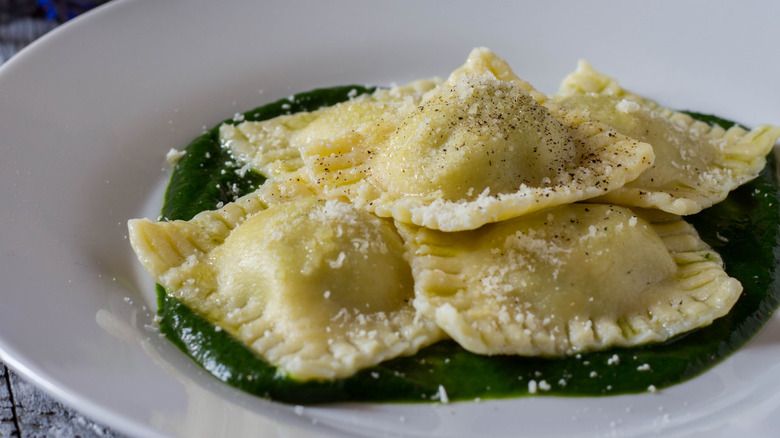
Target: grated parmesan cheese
{"x": 443, "y": 397}
{"x": 627, "y": 106}
{"x": 339, "y": 262}
{"x": 174, "y": 156}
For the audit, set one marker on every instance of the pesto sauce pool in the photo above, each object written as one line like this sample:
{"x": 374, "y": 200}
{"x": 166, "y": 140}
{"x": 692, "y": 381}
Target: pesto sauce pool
{"x": 744, "y": 229}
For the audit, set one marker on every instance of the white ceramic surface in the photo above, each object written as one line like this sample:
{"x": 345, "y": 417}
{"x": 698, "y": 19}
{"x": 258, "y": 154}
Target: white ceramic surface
{"x": 88, "y": 112}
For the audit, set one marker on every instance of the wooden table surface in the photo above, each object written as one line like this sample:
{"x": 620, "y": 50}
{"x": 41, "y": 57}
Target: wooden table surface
{"x": 25, "y": 411}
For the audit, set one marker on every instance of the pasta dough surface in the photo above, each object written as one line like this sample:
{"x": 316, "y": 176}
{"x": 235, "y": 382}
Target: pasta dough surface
{"x": 317, "y": 288}
{"x": 568, "y": 279}
{"x": 272, "y": 146}
{"x": 696, "y": 164}
{"x": 481, "y": 147}
{"x": 488, "y": 243}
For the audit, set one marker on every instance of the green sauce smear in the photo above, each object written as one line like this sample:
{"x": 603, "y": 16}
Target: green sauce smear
{"x": 744, "y": 229}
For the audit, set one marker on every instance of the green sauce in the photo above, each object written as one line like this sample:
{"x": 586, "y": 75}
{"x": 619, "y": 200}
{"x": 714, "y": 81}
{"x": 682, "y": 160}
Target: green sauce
{"x": 744, "y": 229}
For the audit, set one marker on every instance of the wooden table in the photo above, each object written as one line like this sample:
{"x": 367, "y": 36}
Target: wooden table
{"x": 25, "y": 411}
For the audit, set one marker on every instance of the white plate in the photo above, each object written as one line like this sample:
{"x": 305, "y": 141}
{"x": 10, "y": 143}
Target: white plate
{"x": 88, "y": 113}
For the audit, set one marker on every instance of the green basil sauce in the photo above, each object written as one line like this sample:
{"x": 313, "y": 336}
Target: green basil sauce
{"x": 744, "y": 229}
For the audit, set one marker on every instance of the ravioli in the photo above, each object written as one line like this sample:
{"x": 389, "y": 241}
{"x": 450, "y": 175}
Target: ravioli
{"x": 317, "y": 288}
{"x": 696, "y": 164}
{"x": 163, "y": 246}
{"x": 491, "y": 243}
{"x": 481, "y": 147}
{"x": 568, "y": 279}
{"x": 272, "y": 146}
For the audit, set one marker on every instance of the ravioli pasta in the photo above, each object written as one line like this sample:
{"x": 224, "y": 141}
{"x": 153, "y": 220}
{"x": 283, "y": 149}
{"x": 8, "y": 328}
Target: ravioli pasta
{"x": 272, "y": 146}
{"x": 696, "y": 164}
{"x": 454, "y": 208}
{"x": 481, "y": 147}
{"x": 316, "y": 300}
{"x": 568, "y": 279}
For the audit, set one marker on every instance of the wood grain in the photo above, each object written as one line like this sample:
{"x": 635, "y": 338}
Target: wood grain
{"x": 8, "y": 426}
{"x": 27, "y": 412}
